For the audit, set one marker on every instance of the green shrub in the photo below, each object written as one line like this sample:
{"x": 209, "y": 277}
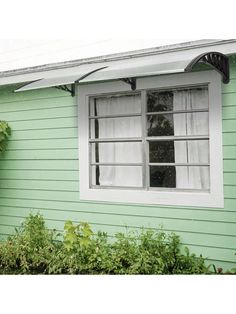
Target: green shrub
{"x": 29, "y": 250}
{"x": 153, "y": 253}
{"x": 5, "y": 132}
{"x": 82, "y": 251}
{"x": 34, "y": 250}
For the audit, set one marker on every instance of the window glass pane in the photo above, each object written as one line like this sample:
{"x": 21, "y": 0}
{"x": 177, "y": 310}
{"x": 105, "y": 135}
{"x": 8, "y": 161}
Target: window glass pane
{"x": 179, "y": 124}
{"x": 162, "y": 176}
{"x": 162, "y": 151}
{"x": 180, "y": 177}
{"x": 159, "y": 101}
{"x": 116, "y": 152}
{"x": 181, "y": 99}
{"x": 160, "y": 125}
{"x": 111, "y": 105}
{"x": 190, "y": 99}
{"x": 124, "y": 127}
{"x": 120, "y": 176}
{"x": 196, "y": 151}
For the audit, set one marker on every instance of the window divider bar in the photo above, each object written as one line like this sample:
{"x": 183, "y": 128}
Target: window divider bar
{"x": 122, "y": 115}
{"x": 112, "y": 140}
{"x": 177, "y": 138}
{"x": 177, "y": 164}
{"x": 176, "y": 111}
{"x": 115, "y": 164}
{"x": 117, "y": 187}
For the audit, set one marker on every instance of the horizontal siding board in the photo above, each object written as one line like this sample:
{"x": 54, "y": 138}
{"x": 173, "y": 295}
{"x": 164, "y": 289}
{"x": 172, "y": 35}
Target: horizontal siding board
{"x": 230, "y": 204}
{"x": 8, "y": 94}
{"x": 218, "y": 241}
{"x": 229, "y": 125}
{"x": 229, "y": 88}
{"x": 63, "y": 122}
{"x": 39, "y": 174}
{"x": 40, "y": 194}
{"x": 58, "y": 143}
{"x": 229, "y": 152}
{"x": 47, "y": 113}
{"x": 217, "y": 215}
{"x": 226, "y": 266}
{"x": 40, "y": 185}
{"x": 6, "y": 230}
{"x": 44, "y": 134}
{"x": 37, "y": 104}
{"x": 228, "y": 99}
{"x": 230, "y": 191}
{"x": 230, "y": 178}
{"x": 229, "y": 112}
{"x": 39, "y": 164}
{"x": 41, "y": 154}
{"x": 230, "y": 165}
{"x": 229, "y": 139}
{"x": 219, "y": 253}
{"x": 127, "y": 209}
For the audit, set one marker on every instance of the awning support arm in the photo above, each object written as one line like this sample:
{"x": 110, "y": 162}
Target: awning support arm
{"x": 67, "y": 89}
{"x": 217, "y": 60}
{"x": 131, "y": 81}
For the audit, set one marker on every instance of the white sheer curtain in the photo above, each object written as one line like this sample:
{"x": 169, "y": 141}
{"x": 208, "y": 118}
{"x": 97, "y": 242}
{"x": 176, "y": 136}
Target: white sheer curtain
{"x": 122, "y": 152}
{"x": 194, "y": 177}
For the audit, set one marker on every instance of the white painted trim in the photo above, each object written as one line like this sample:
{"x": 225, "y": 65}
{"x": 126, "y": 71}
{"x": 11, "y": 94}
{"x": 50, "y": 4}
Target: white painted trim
{"x": 214, "y": 198}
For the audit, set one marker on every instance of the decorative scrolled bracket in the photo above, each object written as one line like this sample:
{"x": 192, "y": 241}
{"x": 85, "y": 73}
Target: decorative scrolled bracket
{"x": 217, "y": 60}
{"x": 131, "y": 81}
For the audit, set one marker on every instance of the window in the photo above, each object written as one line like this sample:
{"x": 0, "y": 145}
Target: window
{"x": 160, "y": 144}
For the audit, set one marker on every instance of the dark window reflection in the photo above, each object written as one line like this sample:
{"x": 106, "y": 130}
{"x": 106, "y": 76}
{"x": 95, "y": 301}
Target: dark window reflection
{"x": 159, "y": 101}
{"x": 162, "y": 176}
{"x": 160, "y": 125}
{"x": 162, "y": 151}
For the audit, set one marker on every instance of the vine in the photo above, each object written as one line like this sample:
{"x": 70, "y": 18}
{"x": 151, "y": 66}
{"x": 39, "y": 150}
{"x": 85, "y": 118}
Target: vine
{"x": 5, "y": 132}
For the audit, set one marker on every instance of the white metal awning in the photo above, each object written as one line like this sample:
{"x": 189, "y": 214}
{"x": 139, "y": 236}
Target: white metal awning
{"x": 137, "y": 68}
{"x": 111, "y": 71}
{"x": 123, "y": 68}
{"x": 66, "y": 79}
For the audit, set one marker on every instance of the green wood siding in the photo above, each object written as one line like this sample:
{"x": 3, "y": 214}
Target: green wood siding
{"x": 40, "y": 172}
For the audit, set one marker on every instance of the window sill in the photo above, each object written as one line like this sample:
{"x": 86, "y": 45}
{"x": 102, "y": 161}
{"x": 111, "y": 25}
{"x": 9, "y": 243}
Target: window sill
{"x": 179, "y": 198}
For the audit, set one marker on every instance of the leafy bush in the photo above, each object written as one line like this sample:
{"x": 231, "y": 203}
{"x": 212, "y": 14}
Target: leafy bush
{"x": 5, "y": 132}
{"x": 34, "y": 250}
{"x": 29, "y": 250}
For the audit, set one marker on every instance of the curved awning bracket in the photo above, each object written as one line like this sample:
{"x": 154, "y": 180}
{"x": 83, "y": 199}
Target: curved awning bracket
{"x": 89, "y": 73}
{"x": 217, "y": 60}
{"x": 67, "y": 89}
{"x": 131, "y": 81}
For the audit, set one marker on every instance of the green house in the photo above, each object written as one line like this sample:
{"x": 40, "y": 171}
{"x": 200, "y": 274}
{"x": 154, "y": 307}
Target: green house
{"x": 131, "y": 140}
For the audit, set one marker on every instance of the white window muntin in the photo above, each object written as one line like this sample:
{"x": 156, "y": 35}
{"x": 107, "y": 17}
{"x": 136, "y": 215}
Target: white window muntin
{"x": 213, "y": 198}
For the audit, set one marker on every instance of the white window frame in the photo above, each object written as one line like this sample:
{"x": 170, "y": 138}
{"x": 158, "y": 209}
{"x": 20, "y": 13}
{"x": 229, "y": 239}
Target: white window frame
{"x": 212, "y": 198}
